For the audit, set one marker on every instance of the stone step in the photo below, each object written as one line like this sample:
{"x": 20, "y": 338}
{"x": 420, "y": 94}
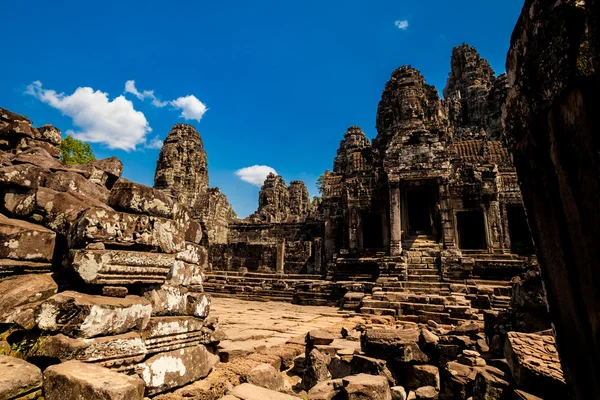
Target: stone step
{"x": 378, "y": 311}
{"x": 424, "y": 278}
{"x": 421, "y": 271}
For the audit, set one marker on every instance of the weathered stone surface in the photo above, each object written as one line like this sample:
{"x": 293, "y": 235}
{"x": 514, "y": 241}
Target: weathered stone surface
{"x": 177, "y": 300}
{"x": 176, "y": 368}
{"x": 55, "y": 210}
{"x": 117, "y": 228}
{"x": 22, "y": 176}
{"x": 50, "y": 134}
{"x": 319, "y": 337}
{"x": 75, "y": 380}
{"x": 279, "y": 203}
{"x": 117, "y": 352}
{"x": 63, "y": 181}
{"x": 247, "y": 391}
{"x": 393, "y": 345}
{"x": 19, "y": 379}
{"x": 266, "y": 376}
{"x": 171, "y": 333}
{"x": 20, "y": 295}
{"x": 103, "y": 172}
{"x": 426, "y": 393}
{"x": 460, "y": 380}
{"x": 534, "y": 363}
{"x": 326, "y": 390}
{"x": 81, "y": 315}
{"x": 315, "y": 369}
{"x": 490, "y": 384}
{"x": 398, "y": 393}
{"x": 113, "y": 267}
{"x": 372, "y": 366}
{"x": 17, "y": 267}
{"x": 363, "y": 386}
{"x": 140, "y": 199}
{"x": 423, "y": 375}
{"x": 181, "y": 169}
{"x": 213, "y": 210}
{"x": 21, "y": 240}
{"x": 185, "y": 274}
{"x": 551, "y": 127}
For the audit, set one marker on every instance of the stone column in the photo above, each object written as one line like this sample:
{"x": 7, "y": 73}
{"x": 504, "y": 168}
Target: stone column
{"x": 395, "y": 222}
{"x": 281, "y": 256}
{"x": 318, "y": 254}
{"x": 329, "y": 239}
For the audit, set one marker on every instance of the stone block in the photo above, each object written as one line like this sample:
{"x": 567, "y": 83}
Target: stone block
{"x": 67, "y": 181}
{"x": 398, "y": 393}
{"x": 22, "y": 240}
{"x": 490, "y": 384}
{"x": 16, "y": 267}
{"x": 426, "y": 393}
{"x": 22, "y": 176}
{"x": 140, "y": 199}
{"x": 75, "y": 380}
{"x": 20, "y": 295}
{"x": 319, "y": 337}
{"x": 264, "y": 375}
{"x": 171, "y": 333}
{"x": 316, "y": 369}
{"x": 363, "y": 386}
{"x": 82, "y": 315}
{"x": 19, "y": 379}
{"x": 534, "y": 363}
{"x": 119, "y": 267}
{"x": 400, "y": 345}
{"x": 122, "y": 229}
{"x": 423, "y": 375}
{"x": 372, "y": 366}
{"x": 247, "y": 391}
{"x": 176, "y": 368}
{"x": 120, "y": 352}
{"x": 193, "y": 254}
{"x": 326, "y": 390}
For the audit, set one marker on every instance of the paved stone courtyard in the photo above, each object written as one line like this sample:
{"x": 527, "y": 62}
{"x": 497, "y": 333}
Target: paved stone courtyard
{"x": 250, "y": 325}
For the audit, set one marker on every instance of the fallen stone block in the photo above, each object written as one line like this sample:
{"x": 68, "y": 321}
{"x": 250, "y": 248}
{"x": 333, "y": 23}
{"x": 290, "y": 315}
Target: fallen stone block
{"x": 326, "y": 390}
{"x": 15, "y": 267}
{"x": 247, "y": 391}
{"x": 316, "y": 369}
{"x": 319, "y": 337}
{"x": 120, "y": 352}
{"x": 423, "y": 375}
{"x": 372, "y": 366}
{"x": 426, "y": 393}
{"x": 400, "y": 345}
{"x": 171, "y": 333}
{"x": 122, "y": 229}
{"x": 82, "y": 315}
{"x": 23, "y": 176}
{"x": 185, "y": 274}
{"x": 19, "y": 379}
{"x": 363, "y": 386}
{"x": 176, "y": 368}
{"x": 118, "y": 267}
{"x": 22, "y": 240}
{"x": 140, "y": 199}
{"x": 398, "y": 393}
{"x": 74, "y": 380}
{"x": 66, "y": 181}
{"x": 103, "y": 172}
{"x": 177, "y": 300}
{"x": 19, "y": 296}
{"x": 459, "y": 380}
{"x": 266, "y": 376}
{"x": 490, "y": 383}
{"x": 534, "y": 363}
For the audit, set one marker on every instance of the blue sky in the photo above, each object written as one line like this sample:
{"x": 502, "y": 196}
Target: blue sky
{"x": 273, "y": 83}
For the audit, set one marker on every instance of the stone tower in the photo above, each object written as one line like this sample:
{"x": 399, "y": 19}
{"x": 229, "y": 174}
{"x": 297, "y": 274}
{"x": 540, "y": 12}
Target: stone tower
{"x": 181, "y": 169}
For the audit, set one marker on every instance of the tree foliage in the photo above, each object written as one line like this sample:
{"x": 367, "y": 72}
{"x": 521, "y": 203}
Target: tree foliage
{"x": 73, "y": 151}
{"x": 320, "y": 180}
{"x": 232, "y": 213}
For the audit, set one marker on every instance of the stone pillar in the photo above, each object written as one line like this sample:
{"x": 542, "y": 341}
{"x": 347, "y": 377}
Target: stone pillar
{"x": 395, "y": 222}
{"x": 353, "y": 230}
{"x": 446, "y": 217}
{"x": 329, "y": 239}
{"x": 281, "y": 256}
{"x": 318, "y": 255}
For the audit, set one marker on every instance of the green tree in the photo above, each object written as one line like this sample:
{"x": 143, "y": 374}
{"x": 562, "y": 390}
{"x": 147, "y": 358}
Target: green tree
{"x": 232, "y": 213}
{"x": 320, "y": 181}
{"x": 73, "y": 151}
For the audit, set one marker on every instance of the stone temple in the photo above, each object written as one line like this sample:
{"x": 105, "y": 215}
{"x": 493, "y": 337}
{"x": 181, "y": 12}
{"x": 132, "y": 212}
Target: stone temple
{"x": 413, "y": 276}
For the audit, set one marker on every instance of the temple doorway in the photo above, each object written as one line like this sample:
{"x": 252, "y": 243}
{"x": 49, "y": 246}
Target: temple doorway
{"x": 420, "y": 215}
{"x": 471, "y": 230}
{"x": 372, "y": 231}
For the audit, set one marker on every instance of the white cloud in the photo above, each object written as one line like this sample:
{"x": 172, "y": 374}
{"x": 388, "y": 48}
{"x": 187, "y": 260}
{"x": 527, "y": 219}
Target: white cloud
{"x": 190, "y": 106}
{"x": 146, "y": 94}
{"x": 155, "y": 143}
{"x": 401, "y": 24}
{"x": 114, "y": 123}
{"x": 255, "y": 174}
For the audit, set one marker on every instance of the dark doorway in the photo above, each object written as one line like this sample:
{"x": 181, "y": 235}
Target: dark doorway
{"x": 520, "y": 237}
{"x": 419, "y": 212}
{"x": 471, "y": 230}
{"x": 372, "y": 230}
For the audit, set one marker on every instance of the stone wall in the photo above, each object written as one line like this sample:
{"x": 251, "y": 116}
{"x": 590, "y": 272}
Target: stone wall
{"x": 552, "y": 125}
{"x": 96, "y": 269}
